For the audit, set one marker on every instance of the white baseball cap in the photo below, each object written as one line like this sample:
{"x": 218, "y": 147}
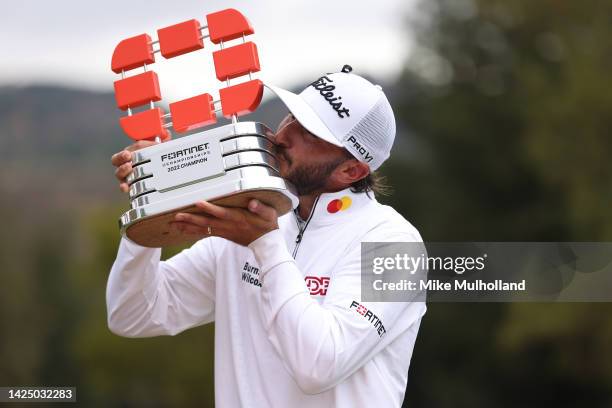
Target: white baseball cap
{"x": 346, "y": 110}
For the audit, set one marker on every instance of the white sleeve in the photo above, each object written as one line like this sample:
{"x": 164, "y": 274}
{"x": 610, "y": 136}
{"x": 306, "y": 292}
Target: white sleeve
{"x": 322, "y": 345}
{"x": 148, "y": 297}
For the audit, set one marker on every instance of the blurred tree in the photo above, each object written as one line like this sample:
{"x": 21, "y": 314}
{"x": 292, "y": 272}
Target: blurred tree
{"x": 506, "y": 112}
{"x": 507, "y": 103}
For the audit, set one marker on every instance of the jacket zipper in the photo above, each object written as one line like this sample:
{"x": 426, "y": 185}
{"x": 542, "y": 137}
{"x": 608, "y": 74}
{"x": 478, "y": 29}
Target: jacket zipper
{"x": 300, "y": 235}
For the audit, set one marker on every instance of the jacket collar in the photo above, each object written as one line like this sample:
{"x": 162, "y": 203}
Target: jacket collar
{"x": 337, "y": 207}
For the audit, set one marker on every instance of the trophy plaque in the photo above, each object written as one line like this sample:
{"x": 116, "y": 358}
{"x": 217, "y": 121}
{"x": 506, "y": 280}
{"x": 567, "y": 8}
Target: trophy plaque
{"x": 226, "y": 165}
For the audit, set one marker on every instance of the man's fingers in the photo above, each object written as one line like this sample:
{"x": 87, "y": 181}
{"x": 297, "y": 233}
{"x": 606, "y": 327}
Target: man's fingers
{"x": 190, "y": 229}
{"x": 123, "y": 156}
{"x": 215, "y": 210}
{"x": 123, "y": 171}
{"x": 199, "y": 220}
{"x": 197, "y": 229}
{"x": 239, "y": 225}
{"x": 123, "y": 161}
{"x": 264, "y": 211}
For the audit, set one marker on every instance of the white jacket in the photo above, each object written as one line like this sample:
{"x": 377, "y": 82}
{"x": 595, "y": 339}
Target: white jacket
{"x": 290, "y": 327}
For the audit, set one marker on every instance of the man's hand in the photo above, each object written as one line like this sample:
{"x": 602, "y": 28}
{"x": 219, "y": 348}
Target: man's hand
{"x": 239, "y": 225}
{"x": 123, "y": 162}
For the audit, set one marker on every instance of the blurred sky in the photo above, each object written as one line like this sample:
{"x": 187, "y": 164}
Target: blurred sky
{"x": 71, "y": 42}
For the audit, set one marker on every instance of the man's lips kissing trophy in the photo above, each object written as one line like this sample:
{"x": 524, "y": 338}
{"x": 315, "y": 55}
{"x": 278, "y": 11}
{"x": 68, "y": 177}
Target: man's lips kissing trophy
{"x": 227, "y": 165}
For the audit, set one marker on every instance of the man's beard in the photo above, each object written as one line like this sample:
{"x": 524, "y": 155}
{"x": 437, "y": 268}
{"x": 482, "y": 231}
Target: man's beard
{"x": 310, "y": 178}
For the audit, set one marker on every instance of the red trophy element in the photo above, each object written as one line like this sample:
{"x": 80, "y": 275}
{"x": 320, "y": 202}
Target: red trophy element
{"x": 236, "y": 61}
{"x": 137, "y": 90}
{"x": 132, "y": 53}
{"x": 242, "y": 98}
{"x": 180, "y": 38}
{"x": 192, "y": 113}
{"x": 227, "y": 25}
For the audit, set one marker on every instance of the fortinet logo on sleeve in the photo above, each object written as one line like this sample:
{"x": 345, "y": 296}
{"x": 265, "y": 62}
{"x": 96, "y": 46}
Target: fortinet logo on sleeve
{"x": 372, "y": 318}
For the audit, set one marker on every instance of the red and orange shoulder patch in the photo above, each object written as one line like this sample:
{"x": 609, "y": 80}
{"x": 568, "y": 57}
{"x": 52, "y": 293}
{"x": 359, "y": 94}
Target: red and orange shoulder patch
{"x": 339, "y": 204}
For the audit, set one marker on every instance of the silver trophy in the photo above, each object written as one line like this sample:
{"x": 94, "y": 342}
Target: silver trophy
{"x": 228, "y": 165}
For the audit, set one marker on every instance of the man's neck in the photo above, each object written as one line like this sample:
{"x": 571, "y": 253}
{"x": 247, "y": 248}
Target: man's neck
{"x": 306, "y": 203}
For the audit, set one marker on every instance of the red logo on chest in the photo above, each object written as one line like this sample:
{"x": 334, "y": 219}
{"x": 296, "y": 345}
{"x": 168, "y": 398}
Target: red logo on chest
{"x": 317, "y": 285}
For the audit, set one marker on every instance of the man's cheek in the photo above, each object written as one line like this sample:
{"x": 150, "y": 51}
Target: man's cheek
{"x": 282, "y": 167}
{"x": 284, "y": 159}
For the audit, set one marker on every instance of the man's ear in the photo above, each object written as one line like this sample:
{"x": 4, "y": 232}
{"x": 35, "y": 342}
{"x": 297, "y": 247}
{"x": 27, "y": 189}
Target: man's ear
{"x": 351, "y": 171}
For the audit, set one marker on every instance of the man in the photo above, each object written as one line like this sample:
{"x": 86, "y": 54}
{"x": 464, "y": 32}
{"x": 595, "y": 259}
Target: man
{"x": 290, "y": 327}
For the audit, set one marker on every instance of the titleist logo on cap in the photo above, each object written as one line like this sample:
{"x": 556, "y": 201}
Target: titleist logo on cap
{"x": 327, "y": 91}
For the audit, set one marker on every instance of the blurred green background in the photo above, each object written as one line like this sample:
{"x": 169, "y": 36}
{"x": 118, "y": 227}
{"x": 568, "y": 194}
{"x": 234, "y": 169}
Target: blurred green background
{"x": 504, "y": 135}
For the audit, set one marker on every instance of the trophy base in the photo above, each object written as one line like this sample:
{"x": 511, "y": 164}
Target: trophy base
{"x": 227, "y": 166}
{"x": 155, "y": 232}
